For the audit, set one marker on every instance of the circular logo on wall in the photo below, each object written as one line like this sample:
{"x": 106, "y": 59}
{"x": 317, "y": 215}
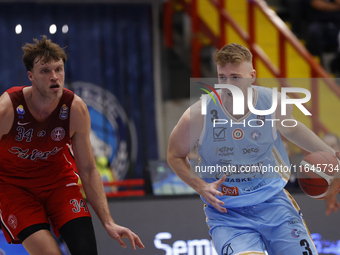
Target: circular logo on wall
{"x": 112, "y": 135}
{"x": 58, "y": 134}
{"x": 2, "y": 252}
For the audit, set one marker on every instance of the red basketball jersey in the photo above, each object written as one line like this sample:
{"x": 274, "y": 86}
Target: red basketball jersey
{"x": 34, "y": 154}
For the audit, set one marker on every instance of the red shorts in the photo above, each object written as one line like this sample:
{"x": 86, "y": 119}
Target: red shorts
{"x": 21, "y": 208}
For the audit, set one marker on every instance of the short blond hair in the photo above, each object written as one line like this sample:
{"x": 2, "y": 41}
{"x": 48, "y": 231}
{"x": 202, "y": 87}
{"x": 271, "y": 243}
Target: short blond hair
{"x": 232, "y": 53}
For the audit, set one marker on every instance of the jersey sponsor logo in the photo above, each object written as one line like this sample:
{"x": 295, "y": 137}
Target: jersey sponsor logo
{"x": 296, "y": 233}
{"x": 63, "y": 112}
{"x": 229, "y": 191}
{"x": 253, "y": 188}
{"x": 12, "y": 221}
{"x": 224, "y": 151}
{"x": 35, "y": 154}
{"x": 250, "y": 150}
{"x": 261, "y": 119}
{"x": 41, "y": 133}
{"x": 255, "y": 135}
{"x": 58, "y": 134}
{"x": 20, "y": 111}
{"x": 293, "y": 221}
{"x": 238, "y": 180}
{"x": 238, "y": 134}
{"x": 23, "y": 123}
{"x": 227, "y": 249}
{"x": 219, "y": 133}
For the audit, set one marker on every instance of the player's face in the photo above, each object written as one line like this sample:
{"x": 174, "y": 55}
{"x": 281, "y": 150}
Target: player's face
{"x": 241, "y": 75}
{"x": 48, "y": 78}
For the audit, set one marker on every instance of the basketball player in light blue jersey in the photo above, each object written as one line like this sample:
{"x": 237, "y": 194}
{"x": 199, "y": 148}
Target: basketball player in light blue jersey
{"x": 248, "y": 211}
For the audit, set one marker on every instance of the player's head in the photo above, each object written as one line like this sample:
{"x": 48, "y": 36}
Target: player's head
{"x": 234, "y": 65}
{"x": 332, "y": 140}
{"x": 44, "y": 61}
{"x": 233, "y": 54}
{"x": 44, "y": 51}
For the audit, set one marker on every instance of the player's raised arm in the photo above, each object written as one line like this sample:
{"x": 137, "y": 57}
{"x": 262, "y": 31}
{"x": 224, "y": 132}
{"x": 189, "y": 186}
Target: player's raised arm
{"x": 182, "y": 140}
{"x": 90, "y": 177}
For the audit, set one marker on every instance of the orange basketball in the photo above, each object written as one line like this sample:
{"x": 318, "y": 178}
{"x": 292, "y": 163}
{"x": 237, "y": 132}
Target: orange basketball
{"x": 316, "y": 173}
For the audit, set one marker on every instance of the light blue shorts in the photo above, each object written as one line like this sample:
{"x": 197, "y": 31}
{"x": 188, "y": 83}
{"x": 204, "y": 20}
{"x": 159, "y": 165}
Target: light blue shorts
{"x": 275, "y": 226}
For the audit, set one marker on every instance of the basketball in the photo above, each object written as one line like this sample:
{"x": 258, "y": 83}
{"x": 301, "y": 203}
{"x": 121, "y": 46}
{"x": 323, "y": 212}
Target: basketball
{"x": 316, "y": 173}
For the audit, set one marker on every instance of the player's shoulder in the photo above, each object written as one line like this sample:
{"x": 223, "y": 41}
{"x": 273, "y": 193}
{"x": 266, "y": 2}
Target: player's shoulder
{"x": 193, "y": 113}
{"x": 6, "y": 113}
{"x": 5, "y": 103}
{"x": 78, "y": 105}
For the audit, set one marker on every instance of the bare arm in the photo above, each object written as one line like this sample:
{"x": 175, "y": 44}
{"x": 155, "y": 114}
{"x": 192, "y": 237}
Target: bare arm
{"x": 309, "y": 141}
{"x": 325, "y": 6}
{"x": 80, "y": 127}
{"x": 182, "y": 140}
{"x": 6, "y": 114}
{"x": 300, "y": 134}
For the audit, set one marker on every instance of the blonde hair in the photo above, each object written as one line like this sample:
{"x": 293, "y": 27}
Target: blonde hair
{"x": 232, "y": 53}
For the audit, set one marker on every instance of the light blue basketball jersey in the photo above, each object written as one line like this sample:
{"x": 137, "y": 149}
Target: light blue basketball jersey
{"x": 249, "y": 151}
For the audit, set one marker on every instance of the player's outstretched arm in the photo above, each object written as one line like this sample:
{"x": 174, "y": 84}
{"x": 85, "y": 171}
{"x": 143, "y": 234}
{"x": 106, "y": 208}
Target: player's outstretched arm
{"x": 183, "y": 140}
{"x": 80, "y": 126}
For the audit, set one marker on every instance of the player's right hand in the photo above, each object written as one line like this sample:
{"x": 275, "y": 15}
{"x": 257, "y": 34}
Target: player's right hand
{"x": 210, "y": 191}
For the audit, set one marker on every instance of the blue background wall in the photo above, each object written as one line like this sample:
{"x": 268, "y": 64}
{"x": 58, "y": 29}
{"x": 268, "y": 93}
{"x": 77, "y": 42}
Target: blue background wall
{"x": 108, "y": 45}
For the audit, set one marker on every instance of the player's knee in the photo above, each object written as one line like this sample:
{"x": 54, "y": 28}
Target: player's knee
{"x": 79, "y": 237}
{"x": 82, "y": 248}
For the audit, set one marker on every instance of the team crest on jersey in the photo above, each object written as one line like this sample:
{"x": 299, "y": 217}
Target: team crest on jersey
{"x": 58, "y": 134}
{"x": 238, "y": 134}
{"x": 255, "y": 135}
{"x": 63, "y": 112}
{"x": 12, "y": 221}
{"x": 20, "y": 111}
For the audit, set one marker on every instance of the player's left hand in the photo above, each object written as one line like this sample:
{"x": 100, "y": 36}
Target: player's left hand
{"x": 331, "y": 203}
{"x": 117, "y": 232}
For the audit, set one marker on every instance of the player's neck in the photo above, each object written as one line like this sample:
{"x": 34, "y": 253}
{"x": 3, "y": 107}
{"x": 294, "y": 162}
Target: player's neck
{"x": 228, "y": 100}
{"x": 39, "y": 106}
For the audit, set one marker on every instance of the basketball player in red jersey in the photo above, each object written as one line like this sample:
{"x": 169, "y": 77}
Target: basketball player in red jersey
{"x": 38, "y": 184}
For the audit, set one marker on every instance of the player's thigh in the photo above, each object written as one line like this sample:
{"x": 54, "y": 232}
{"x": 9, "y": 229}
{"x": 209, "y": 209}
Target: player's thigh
{"x": 41, "y": 243}
{"x": 228, "y": 241}
{"x": 291, "y": 240}
{"x": 19, "y": 210}
{"x": 64, "y": 205}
